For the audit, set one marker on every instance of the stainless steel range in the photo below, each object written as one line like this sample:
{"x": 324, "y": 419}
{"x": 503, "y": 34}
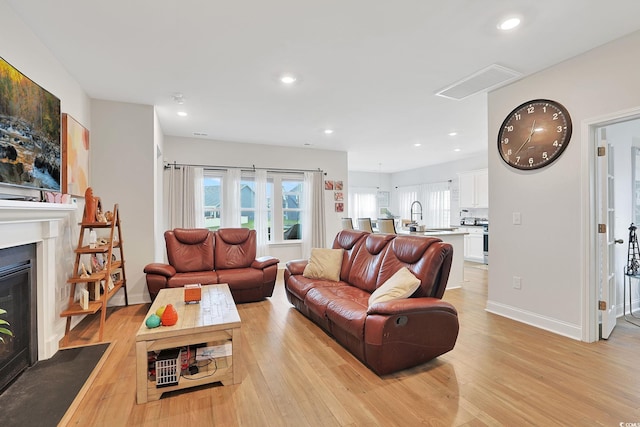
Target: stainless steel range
{"x": 485, "y": 243}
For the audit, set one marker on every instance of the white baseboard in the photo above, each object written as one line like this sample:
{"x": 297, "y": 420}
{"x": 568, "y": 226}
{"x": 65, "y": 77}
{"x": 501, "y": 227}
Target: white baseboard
{"x": 549, "y": 324}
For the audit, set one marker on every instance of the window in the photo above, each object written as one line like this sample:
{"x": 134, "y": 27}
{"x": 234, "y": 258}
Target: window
{"x": 212, "y": 200}
{"x": 434, "y": 210}
{"x": 362, "y": 203}
{"x": 247, "y": 202}
{"x": 284, "y": 220}
{"x": 405, "y": 197}
{"x": 437, "y": 209}
{"x": 248, "y": 209}
{"x": 291, "y": 208}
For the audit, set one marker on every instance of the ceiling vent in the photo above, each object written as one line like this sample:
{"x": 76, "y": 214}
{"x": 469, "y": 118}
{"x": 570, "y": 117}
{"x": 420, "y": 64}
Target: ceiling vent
{"x": 482, "y": 81}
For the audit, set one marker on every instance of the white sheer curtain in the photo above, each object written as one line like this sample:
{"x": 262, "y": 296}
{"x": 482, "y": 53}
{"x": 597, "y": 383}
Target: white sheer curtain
{"x": 404, "y": 197}
{"x": 313, "y": 221}
{"x": 362, "y": 203}
{"x": 437, "y": 204}
{"x": 186, "y": 197}
{"x": 231, "y": 199}
{"x": 261, "y": 219}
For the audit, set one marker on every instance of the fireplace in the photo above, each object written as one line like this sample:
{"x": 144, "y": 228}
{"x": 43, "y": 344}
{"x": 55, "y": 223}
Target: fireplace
{"x": 18, "y": 298}
{"x": 44, "y": 227}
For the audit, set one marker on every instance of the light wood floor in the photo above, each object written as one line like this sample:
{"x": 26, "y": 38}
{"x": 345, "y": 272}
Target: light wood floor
{"x": 501, "y": 372}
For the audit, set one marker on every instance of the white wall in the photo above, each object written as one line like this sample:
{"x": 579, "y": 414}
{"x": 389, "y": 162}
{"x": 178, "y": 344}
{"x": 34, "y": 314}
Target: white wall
{"x": 548, "y": 250}
{"x": 21, "y": 48}
{"x": 379, "y": 181}
{"x": 158, "y": 212}
{"x": 123, "y": 158}
{"x": 219, "y": 153}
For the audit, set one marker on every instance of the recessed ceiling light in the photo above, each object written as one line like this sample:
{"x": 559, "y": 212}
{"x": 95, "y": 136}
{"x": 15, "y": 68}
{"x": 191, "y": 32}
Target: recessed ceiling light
{"x": 456, "y": 150}
{"x": 328, "y": 131}
{"x": 417, "y": 144}
{"x": 452, "y": 133}
{"x": 509, "y": 24}
{"x": 182, "y": 113}
{"x": 288, "y": 79}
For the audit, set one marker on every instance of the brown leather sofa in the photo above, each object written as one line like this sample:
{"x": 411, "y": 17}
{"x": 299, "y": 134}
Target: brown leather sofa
{"x": 391, "y": 335}
{"x": 227, "y": 255}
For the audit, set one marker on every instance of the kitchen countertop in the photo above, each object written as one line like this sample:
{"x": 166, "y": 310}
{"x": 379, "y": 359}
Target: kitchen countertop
{"x": 434, "y": 233}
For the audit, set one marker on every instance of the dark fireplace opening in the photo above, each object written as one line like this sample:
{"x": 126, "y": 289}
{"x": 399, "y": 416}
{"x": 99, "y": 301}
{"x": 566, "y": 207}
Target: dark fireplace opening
{"x": 18, "y": 298}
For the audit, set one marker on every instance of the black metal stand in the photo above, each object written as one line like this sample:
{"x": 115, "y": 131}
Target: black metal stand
{"x": 629, "y": 317}
{"x": 632, "y": 271}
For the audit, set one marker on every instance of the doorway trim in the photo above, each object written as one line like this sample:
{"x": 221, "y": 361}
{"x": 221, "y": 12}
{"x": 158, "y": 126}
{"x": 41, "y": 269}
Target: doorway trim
{"x": 589, "y": 242}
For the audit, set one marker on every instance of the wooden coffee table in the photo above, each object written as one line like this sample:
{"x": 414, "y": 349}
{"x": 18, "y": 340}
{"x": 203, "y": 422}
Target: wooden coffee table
{"x": 213, "y": 321}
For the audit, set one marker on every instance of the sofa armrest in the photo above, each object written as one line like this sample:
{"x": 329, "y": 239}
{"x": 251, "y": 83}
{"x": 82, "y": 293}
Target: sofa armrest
{"x": 296, "y": 266}
{"x": 263, "y": 262}
{"x": 160, "y": 269}
{"x": 411, "y": 305}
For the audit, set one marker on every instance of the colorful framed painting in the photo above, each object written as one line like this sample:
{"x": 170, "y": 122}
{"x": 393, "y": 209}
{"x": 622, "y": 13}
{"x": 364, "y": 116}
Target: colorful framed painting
{"x": 75, "y": 156}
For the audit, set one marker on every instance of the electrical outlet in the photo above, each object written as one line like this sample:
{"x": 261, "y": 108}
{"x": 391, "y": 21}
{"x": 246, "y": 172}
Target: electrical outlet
{"x": 517, "y": 282}
{"x": 517, "y": 219}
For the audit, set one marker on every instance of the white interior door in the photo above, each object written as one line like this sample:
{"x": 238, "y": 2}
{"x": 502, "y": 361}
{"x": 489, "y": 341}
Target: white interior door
{"x": 606, "y": 235}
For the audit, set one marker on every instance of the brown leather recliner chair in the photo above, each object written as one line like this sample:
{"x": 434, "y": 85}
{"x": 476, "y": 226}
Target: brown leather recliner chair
{"x": 228, "y": 255}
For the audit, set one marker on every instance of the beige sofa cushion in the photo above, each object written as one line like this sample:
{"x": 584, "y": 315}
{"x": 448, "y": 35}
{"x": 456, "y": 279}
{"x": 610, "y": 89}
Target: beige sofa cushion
{"x": 401, "y": 285}
{"x": 324, "y": 264}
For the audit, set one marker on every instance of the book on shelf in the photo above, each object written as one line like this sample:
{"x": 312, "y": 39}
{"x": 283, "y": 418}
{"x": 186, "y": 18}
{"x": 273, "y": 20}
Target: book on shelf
{"x": 213, "y": 352}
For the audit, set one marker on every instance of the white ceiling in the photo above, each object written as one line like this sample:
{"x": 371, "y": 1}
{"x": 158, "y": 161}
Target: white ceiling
{"x": 367, "y": 68}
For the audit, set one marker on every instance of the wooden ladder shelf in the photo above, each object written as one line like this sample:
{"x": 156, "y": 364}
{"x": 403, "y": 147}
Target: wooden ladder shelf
{"x": 104, "y": 283}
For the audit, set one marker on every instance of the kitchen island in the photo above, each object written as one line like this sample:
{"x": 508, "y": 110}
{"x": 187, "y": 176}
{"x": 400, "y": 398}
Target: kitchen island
{"x": 455, "y": 239}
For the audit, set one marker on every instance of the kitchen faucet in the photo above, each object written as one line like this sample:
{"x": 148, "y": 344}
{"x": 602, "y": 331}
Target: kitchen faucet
{"x": 416, "y": 213}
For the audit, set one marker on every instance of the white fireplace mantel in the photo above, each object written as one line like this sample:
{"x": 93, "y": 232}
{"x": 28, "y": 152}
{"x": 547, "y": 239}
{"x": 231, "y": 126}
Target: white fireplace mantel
{"x": 19, "y": 211}
{"x": 33, "y": 222}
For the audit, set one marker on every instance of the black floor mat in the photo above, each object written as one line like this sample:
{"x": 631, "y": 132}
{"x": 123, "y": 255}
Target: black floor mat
{"x": 43, "y": 393}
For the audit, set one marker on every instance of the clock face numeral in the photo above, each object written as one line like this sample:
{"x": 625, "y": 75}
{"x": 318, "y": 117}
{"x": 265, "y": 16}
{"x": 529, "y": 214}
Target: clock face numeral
{"x": 534, "y": 134}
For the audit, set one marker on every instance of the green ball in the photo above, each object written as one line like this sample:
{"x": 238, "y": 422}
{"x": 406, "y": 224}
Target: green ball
{"x": 152, "y": 321}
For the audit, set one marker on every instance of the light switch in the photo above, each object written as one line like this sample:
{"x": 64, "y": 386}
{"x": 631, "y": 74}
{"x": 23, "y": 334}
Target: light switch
{"x": 517, "y": 282}
{"x": 516, "y": 218}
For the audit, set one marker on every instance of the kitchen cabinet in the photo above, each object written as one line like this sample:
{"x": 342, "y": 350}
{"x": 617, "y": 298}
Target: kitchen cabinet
{"x": 474, "y": 189}
{"x": 473, "y": 244}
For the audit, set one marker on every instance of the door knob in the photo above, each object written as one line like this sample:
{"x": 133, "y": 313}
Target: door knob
{"x": 618, "y": 241}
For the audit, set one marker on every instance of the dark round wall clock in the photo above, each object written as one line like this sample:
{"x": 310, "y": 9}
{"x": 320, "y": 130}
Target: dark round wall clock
{"x": 534, "y": 134}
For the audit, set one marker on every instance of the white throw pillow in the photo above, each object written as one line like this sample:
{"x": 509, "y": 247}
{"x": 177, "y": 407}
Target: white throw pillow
{"x": 324, "y": 264}
{"x": 401, "y": 285}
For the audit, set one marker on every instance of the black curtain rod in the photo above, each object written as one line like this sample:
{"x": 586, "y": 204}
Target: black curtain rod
{"x": 251, "y": 168}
